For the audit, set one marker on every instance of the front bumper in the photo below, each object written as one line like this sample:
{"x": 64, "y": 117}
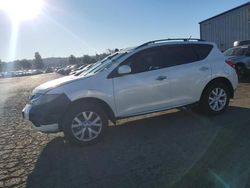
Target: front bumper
{"x": 50, "y": 128}
{"x": 47, "y": 117}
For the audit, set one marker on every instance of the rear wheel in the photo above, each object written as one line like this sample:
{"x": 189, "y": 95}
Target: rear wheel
{"x": 85, "y": 124}
{"x": 215, "y": 99}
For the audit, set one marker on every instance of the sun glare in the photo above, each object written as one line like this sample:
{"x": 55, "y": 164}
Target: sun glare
{"x": 21, "y": 10}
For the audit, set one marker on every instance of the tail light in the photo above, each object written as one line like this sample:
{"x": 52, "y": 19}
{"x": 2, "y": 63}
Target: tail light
{"x": 231, "y": 63}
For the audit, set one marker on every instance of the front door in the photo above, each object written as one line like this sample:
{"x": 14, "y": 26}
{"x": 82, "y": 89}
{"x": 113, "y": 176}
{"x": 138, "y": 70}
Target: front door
{"x": 147, "y": 88}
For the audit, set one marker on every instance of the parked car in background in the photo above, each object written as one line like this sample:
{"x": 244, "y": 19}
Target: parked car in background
{"x": 19, "y": 73}
{"x": 241, "y": 43}
{"x": 240, "y": 57}
{"x": 66, "y": 70}
{"x": 49, "y": 70}
{"x": 8, "y": 74}
{"x": 73, "y": 71}
{"x": 84, "y": 69}
{"x": 154, "y": 76}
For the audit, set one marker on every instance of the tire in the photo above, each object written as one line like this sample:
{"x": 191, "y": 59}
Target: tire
{"x": 241, "y": 71}
{"x": 84, "y": 124}
{"x": 215, "y": 99}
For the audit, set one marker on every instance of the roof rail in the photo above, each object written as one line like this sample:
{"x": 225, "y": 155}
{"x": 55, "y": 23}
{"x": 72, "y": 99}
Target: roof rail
{"x": 169, "y": 39}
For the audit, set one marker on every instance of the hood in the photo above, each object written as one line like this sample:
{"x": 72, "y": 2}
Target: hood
{"x": 55, "y": 83}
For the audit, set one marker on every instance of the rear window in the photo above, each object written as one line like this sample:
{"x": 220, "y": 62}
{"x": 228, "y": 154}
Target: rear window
{"x": 236, "y": 51}
{"x": 202, "y": 50}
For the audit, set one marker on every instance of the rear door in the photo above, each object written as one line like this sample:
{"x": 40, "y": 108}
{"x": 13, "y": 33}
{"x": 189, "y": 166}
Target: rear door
{"x": 190, "y": 73}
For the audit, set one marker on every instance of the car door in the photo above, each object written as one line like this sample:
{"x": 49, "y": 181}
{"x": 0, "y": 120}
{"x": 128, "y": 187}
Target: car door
{"x": 147, "y": 88}
{"x": 191, "y": 71}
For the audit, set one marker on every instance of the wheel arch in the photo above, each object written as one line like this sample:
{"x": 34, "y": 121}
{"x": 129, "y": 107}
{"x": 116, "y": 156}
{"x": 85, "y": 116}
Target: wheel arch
{"x": 220, "y": 80}
{"x": 107, "y": 109}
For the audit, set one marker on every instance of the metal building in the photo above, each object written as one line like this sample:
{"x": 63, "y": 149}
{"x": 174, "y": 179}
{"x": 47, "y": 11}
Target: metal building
{"x": 227, "y": 27}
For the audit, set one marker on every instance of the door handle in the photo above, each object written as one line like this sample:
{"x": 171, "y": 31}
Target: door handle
{"x": 160, "y": 78}
{"x": 203, "y": 68}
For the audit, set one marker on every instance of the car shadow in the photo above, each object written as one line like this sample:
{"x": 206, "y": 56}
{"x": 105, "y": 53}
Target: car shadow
{"x": 153, "y": 152}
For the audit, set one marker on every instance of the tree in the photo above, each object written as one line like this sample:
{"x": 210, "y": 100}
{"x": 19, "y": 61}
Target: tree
{"x": 111, "y": 51}
{"x": 25, "y": 64}
{"x": 86, "y": 59}
{"x": 99, "y": 57}
{"x": 38, "y": 63}
{"x": 1, "y": 66}
{"x": 72, "y": 60}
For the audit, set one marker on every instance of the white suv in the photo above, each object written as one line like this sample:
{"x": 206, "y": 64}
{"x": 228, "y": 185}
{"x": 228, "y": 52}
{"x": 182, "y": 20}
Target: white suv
{"x": 155, "y": 76}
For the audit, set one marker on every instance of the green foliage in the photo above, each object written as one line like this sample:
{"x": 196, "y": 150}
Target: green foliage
{"x": 25, "y": 64}
{"x": 38, "y": 62}
{"x": 86, "y": 59}
{"x": 3, "y": 66}
{"x": 72, "y": 60}
{"x": 49, "y": 70}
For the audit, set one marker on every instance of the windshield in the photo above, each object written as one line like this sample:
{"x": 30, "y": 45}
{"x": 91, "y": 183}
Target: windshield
{"x": 236, "y": 51}
{"x": 106, "y": 63}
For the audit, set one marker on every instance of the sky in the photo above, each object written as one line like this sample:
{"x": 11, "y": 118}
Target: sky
{"x": 79, "y": 27}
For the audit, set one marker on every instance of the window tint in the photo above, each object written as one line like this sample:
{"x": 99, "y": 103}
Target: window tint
{"x": 228, "y": 52}
{"x": 162, "y": 57}
{"x": 166, "y": 56}
{"x": 179, "y": 54}
{"x": 202, "y": 50}
{"x": 239, "y": 51}
{"x": 146, "y": 60}
{"x": 248, "y": 52}
{"x": 236, "y": 51}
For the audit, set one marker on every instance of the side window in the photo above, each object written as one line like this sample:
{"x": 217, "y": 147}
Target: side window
{"x": 228, "y": 52}
{"x": 146, "y": 60}
{"x": 248, "y": 52}
{"x": 165, "y": 56}
{"x": 179, "y": 54}
{"x": 202, "y": 50}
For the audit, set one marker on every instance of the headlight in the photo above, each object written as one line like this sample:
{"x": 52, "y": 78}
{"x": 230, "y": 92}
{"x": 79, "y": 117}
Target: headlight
{"x": 43, "y": 99}
{"x": 34, "y": 98}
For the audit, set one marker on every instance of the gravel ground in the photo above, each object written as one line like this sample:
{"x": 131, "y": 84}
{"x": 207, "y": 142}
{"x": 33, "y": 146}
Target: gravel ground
{"x": 154, "y": 152}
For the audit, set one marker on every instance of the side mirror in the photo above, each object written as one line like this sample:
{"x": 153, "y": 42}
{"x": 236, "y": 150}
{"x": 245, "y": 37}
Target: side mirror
{"x": 124, "y": 69}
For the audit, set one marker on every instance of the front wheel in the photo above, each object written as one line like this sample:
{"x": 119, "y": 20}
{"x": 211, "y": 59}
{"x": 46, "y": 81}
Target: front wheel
{"x": 215, "y": 99}
{"x": 84, "y": 124}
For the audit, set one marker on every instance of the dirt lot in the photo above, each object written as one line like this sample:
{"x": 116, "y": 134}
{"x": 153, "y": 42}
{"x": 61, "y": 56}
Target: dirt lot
{"x": 176, "y": 149}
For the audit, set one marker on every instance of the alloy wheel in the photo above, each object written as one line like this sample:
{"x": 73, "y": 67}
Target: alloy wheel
{"x": 86, "y": 126}
{"x": 217, "y": 99}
